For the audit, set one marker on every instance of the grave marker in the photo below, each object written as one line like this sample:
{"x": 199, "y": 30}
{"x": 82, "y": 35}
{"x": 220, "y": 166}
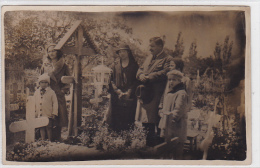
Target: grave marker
{"x": 79, "y": 32}
{"x": 30, "y": 123}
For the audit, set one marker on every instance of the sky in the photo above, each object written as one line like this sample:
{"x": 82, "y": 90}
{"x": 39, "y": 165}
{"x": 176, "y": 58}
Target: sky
{"x": 206, "y": 28}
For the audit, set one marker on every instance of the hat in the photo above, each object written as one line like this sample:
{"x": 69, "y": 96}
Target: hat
{"x": 49, "y": 45}
{"x": 123, "y": 47}
{"x": 176, "y": 73}
{"x": 44, "y": 77}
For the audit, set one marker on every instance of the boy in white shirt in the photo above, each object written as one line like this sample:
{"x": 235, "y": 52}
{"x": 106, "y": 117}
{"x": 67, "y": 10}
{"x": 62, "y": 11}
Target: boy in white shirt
{"x": 46, "y": 104}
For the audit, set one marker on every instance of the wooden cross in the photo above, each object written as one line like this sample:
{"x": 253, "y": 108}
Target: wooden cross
{"x": 79, "y": 32}
{"x": 30, "y": 123}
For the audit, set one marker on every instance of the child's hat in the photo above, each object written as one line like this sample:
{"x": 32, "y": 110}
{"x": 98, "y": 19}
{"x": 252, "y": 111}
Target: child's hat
{"x": 175, "y": 73}
{"x": 44, "y": 77}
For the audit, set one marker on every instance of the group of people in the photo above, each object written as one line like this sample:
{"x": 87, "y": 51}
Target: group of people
{"x": 50, "y": 96}
{"x": 153, "y": 95}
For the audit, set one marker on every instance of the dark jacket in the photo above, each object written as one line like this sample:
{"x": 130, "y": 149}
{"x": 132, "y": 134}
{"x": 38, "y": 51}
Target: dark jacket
{"x": 156, "y": 69}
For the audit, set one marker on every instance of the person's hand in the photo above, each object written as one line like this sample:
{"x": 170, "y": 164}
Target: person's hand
{"x": 127, "y": 95}
{"x": 121, "y": 95}
{"x": 160, "y": 113}
{"x": 138, "y": 124}
{"x": 113, "y": 85}
{"x": 53, "y": 116}
{"x": 143, "y": 78}
{"x": 167, "y": 113}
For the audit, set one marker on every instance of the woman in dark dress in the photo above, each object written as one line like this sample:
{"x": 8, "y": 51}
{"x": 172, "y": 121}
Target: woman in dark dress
{"x": 55, "y": 66}
{"x": 122, "y": 88}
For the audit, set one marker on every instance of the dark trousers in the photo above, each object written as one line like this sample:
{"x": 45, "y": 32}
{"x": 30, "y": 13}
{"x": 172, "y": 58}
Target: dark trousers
{"x": 56, "y": 133}
{"x": 150, "y": 128}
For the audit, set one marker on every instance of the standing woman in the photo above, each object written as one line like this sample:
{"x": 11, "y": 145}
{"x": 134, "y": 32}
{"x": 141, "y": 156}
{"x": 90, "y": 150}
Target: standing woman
{"x": 122, "y": 88}
{"x": 55, "y": 66}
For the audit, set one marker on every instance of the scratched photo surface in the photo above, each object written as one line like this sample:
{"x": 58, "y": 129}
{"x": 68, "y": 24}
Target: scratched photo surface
{"x": 83, "y": 86}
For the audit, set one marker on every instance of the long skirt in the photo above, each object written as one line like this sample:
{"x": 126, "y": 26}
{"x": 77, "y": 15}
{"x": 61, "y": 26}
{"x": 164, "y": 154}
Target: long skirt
{"x": 123, "y": 114}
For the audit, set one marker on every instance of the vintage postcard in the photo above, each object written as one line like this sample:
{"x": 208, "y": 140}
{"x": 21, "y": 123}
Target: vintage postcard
{"x": 121, "y": 84}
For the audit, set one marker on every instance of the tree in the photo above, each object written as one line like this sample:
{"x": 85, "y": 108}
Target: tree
{"x": 179, "y": 48}
{"x": 27, "y": 34}
{"x": 227, "y": 48}
{"x": 30, "y": 33}
{"x": 191, "y": 64}
{"x": 193, "y": 49}
{"x": 223, "y": 53}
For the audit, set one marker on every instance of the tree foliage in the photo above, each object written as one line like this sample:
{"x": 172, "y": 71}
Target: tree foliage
{"x": 179, "y": 47}
{"x": 218, "y": 64}
{"x": 192, "y": 62}
{"x": 27, "y": 34}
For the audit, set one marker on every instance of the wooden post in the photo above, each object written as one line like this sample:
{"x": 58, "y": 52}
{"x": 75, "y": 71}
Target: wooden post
{"x": 70, "y": 80}
{"x": 78, "y": 83}
{"x": 70, "y": 125}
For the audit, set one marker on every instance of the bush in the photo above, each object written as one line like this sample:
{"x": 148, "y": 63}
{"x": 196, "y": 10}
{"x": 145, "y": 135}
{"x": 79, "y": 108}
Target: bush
{"x": 108, "y": 140}
{"x": 228, "y": 144}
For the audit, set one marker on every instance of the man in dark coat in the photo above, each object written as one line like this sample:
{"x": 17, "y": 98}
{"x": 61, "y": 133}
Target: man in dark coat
{"x": 153, "y": 75}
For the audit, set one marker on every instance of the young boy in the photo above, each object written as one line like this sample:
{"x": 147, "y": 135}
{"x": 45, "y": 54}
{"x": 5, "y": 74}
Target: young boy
{"x": 46, "y": 104}
{"x": 173, "y": 114}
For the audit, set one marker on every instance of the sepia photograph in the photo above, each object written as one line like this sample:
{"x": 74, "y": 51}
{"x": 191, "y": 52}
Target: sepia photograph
{"x": 126, "y": 83}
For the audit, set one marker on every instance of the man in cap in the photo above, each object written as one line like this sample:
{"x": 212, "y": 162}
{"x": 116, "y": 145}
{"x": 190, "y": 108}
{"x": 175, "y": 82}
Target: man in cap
{"x": 173, "y": 113}
{"x": 152, "y": 74}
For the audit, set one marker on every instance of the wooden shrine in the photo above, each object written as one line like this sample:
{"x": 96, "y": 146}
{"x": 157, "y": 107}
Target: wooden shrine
{"x": 83, "y": 46}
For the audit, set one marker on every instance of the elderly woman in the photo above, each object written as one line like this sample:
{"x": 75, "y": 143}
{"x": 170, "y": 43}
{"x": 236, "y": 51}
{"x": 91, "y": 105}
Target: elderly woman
{"x": 122, "y": 89}
{"x": 55, "y": 66}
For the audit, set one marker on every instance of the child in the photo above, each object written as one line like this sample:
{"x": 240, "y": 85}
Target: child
{"x": 173, "y": 114}
{"x": 178, "y": 64}
{"x": 46, "y": 104}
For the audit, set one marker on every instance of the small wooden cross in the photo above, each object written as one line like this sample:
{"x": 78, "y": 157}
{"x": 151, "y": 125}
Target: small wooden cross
{"x": 30, "y": 123}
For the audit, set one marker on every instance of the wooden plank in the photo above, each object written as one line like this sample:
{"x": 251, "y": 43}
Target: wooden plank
{"x": 86, "y": 51}
{"x": 69, "y": 50}
{"x": 164, "y": 147}
{"x": 67, "y": 35}
{"x": 80, "y": 40}
{"x": 67, "y": 79}
{"x": 18, "y": 126}
{"x": 70, "y": 126}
